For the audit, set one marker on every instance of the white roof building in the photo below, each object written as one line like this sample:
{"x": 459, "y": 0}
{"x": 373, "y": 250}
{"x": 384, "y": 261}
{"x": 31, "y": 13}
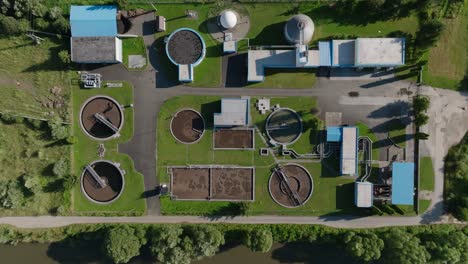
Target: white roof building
{"x": 363, "y": 194}
{"x": 371, "y": 52}
{"x": 349, "y": 151}
{"x": 234, "y": 112}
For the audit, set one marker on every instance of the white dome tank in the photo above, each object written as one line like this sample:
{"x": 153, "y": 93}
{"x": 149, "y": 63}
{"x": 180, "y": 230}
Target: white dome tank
{"x": 228, "y": 19}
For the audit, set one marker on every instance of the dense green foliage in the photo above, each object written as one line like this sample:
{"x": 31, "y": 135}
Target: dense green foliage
{"x": 11, "y": 195}
{"x": 176, "y": 244}
{"x": 184, "y": 243}
{"x": 456, "y": 179}
{"x": 404, "y": 248}
{"x": 363, "y": 246}
{"x": 420, "y": 106}
{"x": 123, "y": 243}
{"x": 16, "y": 16}
{"x": 258, "y": 240}
{"x": 58, "y": 131}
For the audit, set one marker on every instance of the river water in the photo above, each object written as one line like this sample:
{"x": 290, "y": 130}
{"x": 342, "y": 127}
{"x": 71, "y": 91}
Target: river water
{"x": 89, "y": 253}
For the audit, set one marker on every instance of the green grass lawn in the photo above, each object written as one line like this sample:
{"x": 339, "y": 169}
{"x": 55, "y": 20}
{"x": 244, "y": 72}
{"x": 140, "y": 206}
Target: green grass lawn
{"x": 85, "y": 151}
{"x": 364, "y": 130}
{"x": 397, "y": 132}
{"x": 33, "y": 81}
{"x": 447, "y": 63}
{"x": 331, "y": 195}
{"x": 423, "y": 205}
{"x": 287, "y": 78}
{"x": 26, "y": 153}
{"x": 133, "y": 46}
{"x": 426, "y": 174}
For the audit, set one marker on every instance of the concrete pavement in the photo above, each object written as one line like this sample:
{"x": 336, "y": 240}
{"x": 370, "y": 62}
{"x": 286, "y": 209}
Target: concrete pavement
{"x": 340, "y": 222}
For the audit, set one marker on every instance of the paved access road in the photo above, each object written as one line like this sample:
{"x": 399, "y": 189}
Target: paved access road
{"x": 341, "y": 222}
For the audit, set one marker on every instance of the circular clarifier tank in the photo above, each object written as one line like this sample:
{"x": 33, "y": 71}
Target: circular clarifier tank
{"x": 102, "y": 181}
{"x": 101, "y": 117}
{"x": 185, "y": 47}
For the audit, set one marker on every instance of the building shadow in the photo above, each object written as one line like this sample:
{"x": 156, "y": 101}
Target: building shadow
{"x": 270, "y": 35}
{"x": 345, "y": 196}
{"x": 207, "y": 111}
{"x": 236, "y": 70}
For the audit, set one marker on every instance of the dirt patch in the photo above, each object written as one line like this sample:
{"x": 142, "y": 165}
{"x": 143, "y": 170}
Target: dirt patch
{"x": 232, "y": 183}
{"x": 109, "y": 108}
{"x": 296, "y": 191}
{"x": 111, "y": 176}
{"x": 190, "y": 183}
{"x": 185, "y": 47}
{"x": 234, "y": 138}
{"x": 187, "y": 126}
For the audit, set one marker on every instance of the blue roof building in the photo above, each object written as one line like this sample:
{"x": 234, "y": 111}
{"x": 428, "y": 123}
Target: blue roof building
{"x": 94, "y": 34}
{"x": 403, "y": 183}
{"x": 334, "y": 134}
{"x": 93, "y": 21}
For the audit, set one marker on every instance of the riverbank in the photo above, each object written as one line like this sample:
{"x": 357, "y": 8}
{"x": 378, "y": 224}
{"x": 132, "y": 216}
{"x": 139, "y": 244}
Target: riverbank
{"x": 425, "y": 241}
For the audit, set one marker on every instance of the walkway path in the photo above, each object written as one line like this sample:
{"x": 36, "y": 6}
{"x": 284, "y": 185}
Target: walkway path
{"x": 342, "y": 222}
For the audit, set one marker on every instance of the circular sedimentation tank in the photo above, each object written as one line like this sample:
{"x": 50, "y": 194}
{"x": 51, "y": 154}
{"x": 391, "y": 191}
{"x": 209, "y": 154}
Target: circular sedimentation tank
{"x": 112, "y": 182}
{"x": 290, "y": 185}
{"x": 106, "y": 107}
{"x": 283, "y": 126}
{"x": 185, "y": 46}
{"x": 187, "y": 126}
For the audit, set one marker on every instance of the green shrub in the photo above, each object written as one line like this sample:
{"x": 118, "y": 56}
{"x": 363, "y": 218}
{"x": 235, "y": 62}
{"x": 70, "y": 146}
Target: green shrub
{"x": 61, "y": 167}
{"x": 61, "y": 25}
{"x": 58, "y": 131}
{"x": 258, "y": 240}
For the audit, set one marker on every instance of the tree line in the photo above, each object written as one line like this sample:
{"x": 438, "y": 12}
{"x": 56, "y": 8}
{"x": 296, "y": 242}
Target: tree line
{"x": 183, "y": 243}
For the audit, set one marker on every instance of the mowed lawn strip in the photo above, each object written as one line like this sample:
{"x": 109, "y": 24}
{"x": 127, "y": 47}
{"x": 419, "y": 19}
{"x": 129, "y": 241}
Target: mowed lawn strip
{"x": 427, "y": 174}
{"x": 86, "y": 151}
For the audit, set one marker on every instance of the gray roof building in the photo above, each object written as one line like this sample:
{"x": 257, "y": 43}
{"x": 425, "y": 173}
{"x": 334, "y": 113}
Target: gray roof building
{"x": 96, "y": 49}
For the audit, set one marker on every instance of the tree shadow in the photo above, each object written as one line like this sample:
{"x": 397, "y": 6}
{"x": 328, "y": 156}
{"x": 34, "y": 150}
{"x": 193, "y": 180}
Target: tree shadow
{"x": 54, "y": 186}
{"x": 302, "y": 252}
{"x": 229, "y": 211}
{"x": 77, "y": 250}
{"x": 394, "y": 109}
{"x": 270, "y": 35}
{"x": 53, "y": 63}
{"x": 48, "y": 171}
